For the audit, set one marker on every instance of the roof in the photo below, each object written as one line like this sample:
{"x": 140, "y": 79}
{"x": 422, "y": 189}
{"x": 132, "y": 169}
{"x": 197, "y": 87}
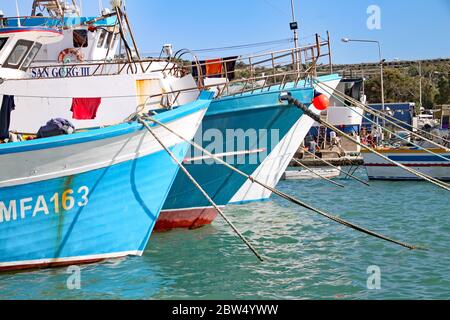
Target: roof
{"x": 57, "y": 22}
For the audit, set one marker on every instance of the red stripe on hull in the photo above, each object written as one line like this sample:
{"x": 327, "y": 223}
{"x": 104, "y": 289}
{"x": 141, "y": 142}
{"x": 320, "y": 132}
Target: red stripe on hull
{"x": 185, "y": 219}
{"x": 49, "y": 265}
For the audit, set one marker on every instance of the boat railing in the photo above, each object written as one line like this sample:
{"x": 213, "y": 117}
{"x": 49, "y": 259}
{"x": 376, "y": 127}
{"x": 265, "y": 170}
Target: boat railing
{"x": 283, "y": 65}
{"x": 305, "y": 59}
{"x": 228, "y": 88}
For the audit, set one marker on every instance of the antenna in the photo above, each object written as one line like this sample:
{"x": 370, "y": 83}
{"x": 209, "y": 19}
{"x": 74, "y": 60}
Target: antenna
{"x": 18, "y": 13}
{"x": 100, "y": 6}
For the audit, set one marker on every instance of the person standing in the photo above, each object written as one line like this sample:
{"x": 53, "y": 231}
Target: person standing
{"x": 313, "y": 146}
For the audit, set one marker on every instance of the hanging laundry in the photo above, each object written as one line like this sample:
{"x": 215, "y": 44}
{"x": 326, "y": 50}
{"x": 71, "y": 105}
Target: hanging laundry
{"x": 230, "y": 66}
{"x": 196, "y": 67}
{"x": 7, "y": 106}
{"x": 227, "y": 67}
{"x": 214, "y": 68}
{"x": 85, "y": 108}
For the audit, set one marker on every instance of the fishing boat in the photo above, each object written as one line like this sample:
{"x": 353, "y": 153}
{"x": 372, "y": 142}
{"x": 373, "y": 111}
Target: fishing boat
{"x": 271, "y": 170}
{"x": 241, "y": 107}
{"x": 242, "y": 130}
{"x": 313, "y": 173}
{"x": 87, "y": 195}
{"x": 421, "y": 160}
{"x": 277, "y": 130}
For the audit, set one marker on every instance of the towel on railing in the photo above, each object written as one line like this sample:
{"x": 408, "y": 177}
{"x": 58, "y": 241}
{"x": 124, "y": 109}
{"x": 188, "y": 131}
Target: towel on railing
{"x": 85, "y": 108}
{"x": 216, "y": 68}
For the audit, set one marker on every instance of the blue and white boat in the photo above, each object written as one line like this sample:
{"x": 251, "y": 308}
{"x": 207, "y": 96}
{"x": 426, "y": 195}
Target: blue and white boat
{"x": 275, "y": 165}
{"x": 418, "y": 159}
{"x": 256, "y": 133}
{"x": 89, "y": 195}
{"x": 242, "y": 130}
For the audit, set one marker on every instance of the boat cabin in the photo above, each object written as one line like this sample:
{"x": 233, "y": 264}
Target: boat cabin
{"x": 85, "y": 39}
{"x": 19, "y": 46}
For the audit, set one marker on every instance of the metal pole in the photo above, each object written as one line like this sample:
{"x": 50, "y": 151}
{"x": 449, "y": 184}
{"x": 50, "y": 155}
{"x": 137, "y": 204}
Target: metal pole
{"x": 382, "y": 86}
{"x": 297, "y": 57}
{"x": 420, "y": 84}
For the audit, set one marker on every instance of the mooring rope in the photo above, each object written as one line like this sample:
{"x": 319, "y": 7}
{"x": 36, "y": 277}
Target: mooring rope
{"x": 382, "y": 116}
{"x": 317, "y": 174}
{"x": 337, "y": 168}
{"x": 284, "y": 195}
{"x": 389, "y": 131}
{"x": 317, "y": 118}
{"x": 195, "y": 183}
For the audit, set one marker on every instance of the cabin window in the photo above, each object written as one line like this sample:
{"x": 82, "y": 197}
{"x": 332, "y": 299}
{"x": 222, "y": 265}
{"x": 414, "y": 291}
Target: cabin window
{"x": 80, "y": 38}
{"x": 2, "y": 42}
{"x": 18, "y": 54}
{"x": 29, "y": 59}
{"x": 110, "y": 38}
{"x": 101, "y": 39}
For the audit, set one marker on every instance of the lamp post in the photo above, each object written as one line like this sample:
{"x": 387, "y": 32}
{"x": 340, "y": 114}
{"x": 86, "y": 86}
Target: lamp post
{"x": 346, "y": 40}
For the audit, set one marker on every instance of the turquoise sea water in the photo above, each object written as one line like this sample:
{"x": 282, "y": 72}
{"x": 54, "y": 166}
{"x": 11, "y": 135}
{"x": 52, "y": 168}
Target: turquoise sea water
{"x": 307, "y": 256}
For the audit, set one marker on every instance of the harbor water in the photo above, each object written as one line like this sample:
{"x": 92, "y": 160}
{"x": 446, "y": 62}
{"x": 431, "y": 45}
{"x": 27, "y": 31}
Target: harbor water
{"x": 307, "y": 256}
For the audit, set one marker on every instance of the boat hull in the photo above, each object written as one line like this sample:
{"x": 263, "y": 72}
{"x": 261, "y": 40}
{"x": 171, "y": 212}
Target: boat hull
{"x": 260, "y": 113}
{"x": 379, "y": 169}
{"x": 89, "y": 196}
{"x": 273, "y": 167}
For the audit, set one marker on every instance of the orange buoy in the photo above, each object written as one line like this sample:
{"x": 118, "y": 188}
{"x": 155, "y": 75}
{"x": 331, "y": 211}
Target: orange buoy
{"x": 321, "y": 101}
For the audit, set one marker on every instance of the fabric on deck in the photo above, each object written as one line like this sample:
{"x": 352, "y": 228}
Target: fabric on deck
{"x": 85, "y": 108}
{"x": 7, "y": 106}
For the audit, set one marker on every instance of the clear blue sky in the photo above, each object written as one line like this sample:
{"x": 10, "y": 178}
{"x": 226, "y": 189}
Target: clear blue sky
{"x": 415, "y": 29}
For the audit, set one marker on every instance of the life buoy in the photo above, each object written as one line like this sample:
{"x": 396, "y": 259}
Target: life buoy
{"x": 73, "y": 52}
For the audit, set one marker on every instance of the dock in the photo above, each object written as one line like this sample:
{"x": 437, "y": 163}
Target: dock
{"x": 332, "y": 157}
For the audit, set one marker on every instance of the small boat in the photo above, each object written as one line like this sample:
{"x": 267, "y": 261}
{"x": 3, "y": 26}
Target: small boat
{"x": 315, "y": 173}
{"x": 417, "y": 159}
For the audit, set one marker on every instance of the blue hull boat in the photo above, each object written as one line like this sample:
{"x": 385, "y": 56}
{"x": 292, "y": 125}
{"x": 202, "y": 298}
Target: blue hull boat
{"x": 88, "y": 196}
{"x": 243, "y": 130}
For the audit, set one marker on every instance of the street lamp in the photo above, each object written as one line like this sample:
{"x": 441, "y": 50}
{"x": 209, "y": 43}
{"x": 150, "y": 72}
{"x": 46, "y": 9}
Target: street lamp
{"x": 346, "y": 40}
